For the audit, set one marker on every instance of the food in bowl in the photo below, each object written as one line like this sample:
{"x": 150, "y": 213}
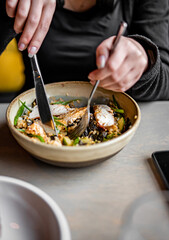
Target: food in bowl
{"x": 80, "y": 156}
{"x": 107, "y": 121}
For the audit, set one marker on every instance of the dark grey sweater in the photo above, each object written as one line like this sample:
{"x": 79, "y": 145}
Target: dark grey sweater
{"x": 68, "y": 51}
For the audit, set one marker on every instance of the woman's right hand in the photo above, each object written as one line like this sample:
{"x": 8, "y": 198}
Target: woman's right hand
{"x": 121, "y": 69}
{"x": 32, "y": 19}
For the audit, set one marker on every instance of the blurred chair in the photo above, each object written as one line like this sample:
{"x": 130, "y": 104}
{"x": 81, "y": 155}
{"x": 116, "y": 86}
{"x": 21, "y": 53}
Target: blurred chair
{"x": 12, "y": 76}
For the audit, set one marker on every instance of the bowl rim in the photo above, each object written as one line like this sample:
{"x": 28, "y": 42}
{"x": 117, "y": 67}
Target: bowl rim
{"x": 59, "y": 215}
{"x": 73, "y": 148}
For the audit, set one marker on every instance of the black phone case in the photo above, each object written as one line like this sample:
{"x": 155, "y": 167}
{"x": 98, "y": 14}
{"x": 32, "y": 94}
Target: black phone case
{"x": 161, "y": 160}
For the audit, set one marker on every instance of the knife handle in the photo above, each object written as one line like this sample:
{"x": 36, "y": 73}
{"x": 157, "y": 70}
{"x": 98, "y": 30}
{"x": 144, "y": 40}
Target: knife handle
{"x": 35, "y": 66}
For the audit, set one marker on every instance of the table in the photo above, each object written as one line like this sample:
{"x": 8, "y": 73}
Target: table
{"x": 94, "y": 199}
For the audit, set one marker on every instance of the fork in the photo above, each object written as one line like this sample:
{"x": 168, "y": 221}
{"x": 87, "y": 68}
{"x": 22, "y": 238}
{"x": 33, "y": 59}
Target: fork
{"x": 82, "y": 125}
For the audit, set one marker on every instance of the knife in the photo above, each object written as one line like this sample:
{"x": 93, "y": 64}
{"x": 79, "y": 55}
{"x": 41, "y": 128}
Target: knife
{"x": 42, "y": 100}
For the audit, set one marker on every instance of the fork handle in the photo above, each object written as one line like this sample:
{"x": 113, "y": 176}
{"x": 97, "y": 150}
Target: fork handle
{"x": 92, "y": 92}
{"x": 121, "y": 31}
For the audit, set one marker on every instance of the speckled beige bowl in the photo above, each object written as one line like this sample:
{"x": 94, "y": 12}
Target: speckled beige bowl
{"x": 69, "y": 156}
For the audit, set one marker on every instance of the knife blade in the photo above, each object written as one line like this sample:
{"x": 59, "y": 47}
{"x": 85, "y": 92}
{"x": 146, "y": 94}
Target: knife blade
{"x": 41, "y": 98}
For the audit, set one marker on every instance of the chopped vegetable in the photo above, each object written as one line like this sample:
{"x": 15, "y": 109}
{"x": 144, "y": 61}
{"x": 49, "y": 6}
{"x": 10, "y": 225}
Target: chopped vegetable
{"x": 115, "y": 102}
{"x": 58, "y": 123}
{"x": 121, "y": 124}
{"x": 19, "y": 114}
{"x": 76, "y": 141}
{"x": 66, "y": 102}
{"x": 86, "y": 140}
{"x": 32, "y": 135}
{"x": 37, "y": 136}
{"x": 56, "y": 118}
{"x": 23, "y": 103}
{"x": 67, "y": 141}
{"x": 118, "y": 110}
{"x": 21, "y": 130}
{"x": 110, "y": 136}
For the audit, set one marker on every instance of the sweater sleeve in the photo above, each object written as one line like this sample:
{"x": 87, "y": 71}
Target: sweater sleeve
{"x": 7, "y": 32}
{"x": 150, "y": 27}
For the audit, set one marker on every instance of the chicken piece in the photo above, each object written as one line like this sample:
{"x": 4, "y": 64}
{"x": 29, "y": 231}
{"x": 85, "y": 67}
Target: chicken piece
{"x": 36, "y": 129}
{"x": 72, "y": 115}
{"x": 56, "y": 110}
{"x": 104, "y": 116}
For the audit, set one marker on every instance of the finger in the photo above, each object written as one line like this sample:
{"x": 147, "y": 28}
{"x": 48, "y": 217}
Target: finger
{"x": 21, "y": 15}
{"x": 101, "y": 61}
{"x": 118, "y": 56}
{"x": 99, "y": 74}
{"x": 127, "y": 82}
{"x": 31, "y": 24}
{"x": 103, "y": 50}
{"x": 117, "y": 78}
{"x": 11, "y": 7}
{"x": 124, "y": 68}
{"x": 113, "y": 63}
{"x": 132, "y": 63}
{"x": 42, "y": 28}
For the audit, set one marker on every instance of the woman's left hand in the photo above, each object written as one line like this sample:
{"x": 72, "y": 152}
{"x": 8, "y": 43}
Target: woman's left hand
{"x": 120, "y": 70}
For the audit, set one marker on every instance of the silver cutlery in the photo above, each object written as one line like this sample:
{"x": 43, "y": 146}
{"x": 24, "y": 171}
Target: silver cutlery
{"x": 41, "y": 98}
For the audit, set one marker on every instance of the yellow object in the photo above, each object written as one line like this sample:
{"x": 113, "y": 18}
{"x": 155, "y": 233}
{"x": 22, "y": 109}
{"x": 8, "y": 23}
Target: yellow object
{"x": 12, "y": 75}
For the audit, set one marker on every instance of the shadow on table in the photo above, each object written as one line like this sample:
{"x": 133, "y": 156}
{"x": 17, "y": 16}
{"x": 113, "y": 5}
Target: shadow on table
{"x": 13, "y": 155}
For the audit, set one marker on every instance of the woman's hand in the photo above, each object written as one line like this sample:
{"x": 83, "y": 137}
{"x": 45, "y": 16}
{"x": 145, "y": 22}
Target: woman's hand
{"x": 32, "y": 19}
{"x": 120, "y": 70}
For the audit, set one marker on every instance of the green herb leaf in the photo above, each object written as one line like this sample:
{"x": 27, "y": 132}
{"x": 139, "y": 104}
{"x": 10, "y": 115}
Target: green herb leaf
{"x": 66, "y": 102}
{"x": 21, "y": 130}
{"x": 118, "y": 110}
{"x": 37, "y": 136}
{"x": 115, "y": 102}
{"x": 23, "y": 103}
{"x": 19, "y": 114}
{"x": 56, "y": 118}
{"x": 59, "y": 123}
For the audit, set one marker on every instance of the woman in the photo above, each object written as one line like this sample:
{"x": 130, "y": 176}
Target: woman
{"x": 73, "y": 39}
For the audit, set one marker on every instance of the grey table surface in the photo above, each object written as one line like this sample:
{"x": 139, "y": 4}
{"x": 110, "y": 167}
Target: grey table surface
{"x": 94, "y": 199}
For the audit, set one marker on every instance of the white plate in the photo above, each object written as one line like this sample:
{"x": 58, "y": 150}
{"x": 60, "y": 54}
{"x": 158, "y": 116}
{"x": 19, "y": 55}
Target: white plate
{"x": 28, "y": 213}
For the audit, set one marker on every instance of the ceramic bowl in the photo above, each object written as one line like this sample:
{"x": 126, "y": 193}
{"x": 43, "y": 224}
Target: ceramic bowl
{"x": 26, "y": 212}
{"x": 81, "y": 155}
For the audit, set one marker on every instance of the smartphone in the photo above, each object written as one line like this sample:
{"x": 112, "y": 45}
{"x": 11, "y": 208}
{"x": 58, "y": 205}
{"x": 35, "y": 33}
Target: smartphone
{"x": 161, "y": 160}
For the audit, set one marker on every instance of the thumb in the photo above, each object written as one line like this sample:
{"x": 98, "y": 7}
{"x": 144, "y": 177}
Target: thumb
{"x": 102, "y": 52}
